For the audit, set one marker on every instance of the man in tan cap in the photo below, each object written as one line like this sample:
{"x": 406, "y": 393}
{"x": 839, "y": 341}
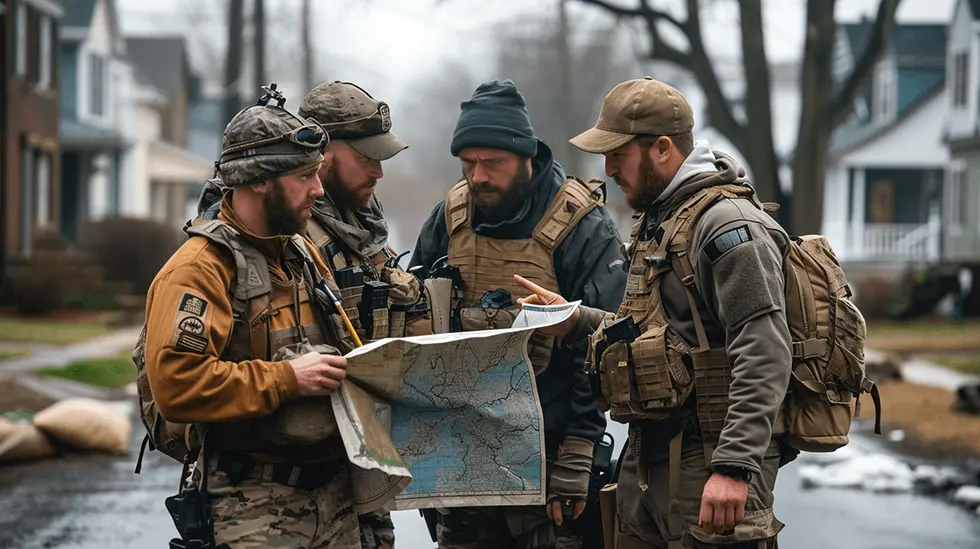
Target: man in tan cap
{"x": 701, "y": 332}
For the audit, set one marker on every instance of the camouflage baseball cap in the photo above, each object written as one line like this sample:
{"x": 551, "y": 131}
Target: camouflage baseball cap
{"x": 349, "y": 113}
{"x": 266, "y": 141}
{"x": 642, "y": 106}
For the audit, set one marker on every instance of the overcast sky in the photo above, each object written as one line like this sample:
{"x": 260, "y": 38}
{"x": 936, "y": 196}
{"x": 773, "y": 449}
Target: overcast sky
{"x": 395, "y": 40}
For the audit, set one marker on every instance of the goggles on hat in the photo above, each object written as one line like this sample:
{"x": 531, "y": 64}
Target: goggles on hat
{"x": 310, "y": 136}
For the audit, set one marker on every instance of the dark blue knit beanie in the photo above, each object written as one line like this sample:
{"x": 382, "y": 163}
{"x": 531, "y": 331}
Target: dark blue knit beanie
{"x": 495, "y": 118}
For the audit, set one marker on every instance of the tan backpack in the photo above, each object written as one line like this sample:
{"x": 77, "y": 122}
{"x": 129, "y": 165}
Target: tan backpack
{"x": 828, "y": 331}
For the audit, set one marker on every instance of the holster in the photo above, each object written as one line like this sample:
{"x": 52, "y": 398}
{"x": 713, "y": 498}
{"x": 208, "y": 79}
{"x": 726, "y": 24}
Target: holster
{"x": 190, "y": 510}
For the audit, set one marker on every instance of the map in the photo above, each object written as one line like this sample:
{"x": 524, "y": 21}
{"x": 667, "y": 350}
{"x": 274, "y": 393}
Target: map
{"x": 446, "y": 420}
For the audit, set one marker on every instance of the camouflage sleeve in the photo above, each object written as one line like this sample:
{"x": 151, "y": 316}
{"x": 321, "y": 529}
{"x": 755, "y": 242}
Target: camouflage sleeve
{"x": 188, "y": 324}
{"x": 433, "y": 240}
{"x": 738, "y": 267}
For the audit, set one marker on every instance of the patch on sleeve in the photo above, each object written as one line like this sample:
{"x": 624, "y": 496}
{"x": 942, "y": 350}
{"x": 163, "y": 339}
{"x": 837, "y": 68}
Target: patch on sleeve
{"x": 726, "y": 241}
{"x": 190, "y": 303}
{"x": 190, "y": 328}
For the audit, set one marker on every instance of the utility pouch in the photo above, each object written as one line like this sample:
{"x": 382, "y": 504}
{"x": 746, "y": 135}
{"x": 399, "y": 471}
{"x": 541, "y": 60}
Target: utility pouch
{"x": 373, "y": 309}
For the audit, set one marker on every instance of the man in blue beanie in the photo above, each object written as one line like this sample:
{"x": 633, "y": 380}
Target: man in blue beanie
{"x": 516, "y": 211}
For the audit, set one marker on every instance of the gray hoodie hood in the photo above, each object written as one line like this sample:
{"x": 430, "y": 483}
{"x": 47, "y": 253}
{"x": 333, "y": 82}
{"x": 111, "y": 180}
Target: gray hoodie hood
{"x": 703, "y": 168}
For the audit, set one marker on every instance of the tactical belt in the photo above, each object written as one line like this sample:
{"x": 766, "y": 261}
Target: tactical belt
{"x": 239, "y": 467}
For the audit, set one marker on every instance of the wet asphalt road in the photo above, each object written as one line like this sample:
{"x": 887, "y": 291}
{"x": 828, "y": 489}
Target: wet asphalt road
{"x": 96, "y": 502}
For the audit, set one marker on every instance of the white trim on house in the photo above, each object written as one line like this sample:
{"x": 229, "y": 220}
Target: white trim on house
{"x": 73, "y": 34}
{"x": 49, "y": 7}
{"x": 961, "y": 121}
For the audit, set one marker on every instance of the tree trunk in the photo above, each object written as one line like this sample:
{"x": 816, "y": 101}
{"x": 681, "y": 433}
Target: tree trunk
{"x": 810, "y": 158}
{"x": 259, "y": 24}
{"x": 569, "y": 154}
{"x": 233, "y": 59}
{"x": 307, "y": 47}
{"x": 758, "y": 147}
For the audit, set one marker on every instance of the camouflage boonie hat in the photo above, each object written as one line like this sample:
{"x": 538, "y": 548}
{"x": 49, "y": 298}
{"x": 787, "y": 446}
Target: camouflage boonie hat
{"x": 641, "y": 106}
{"x": 266, "y": 141}
{"x": 349, "y": 113}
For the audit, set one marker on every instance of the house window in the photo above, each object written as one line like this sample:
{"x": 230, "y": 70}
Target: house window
{"x": 43, "y": 197}
{"x": 961, "y": 74}
{"x": 46, "y": 58}
{"x": 27, "y": 191}
{"x": 21, "y": 24}
{"x": 885, "y": 92}
{"x": 97, "y": 73}
{"x": 957, "y": 207}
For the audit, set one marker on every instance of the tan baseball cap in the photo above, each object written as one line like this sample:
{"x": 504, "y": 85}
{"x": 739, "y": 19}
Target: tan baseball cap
{"x": 349, "y": 113}
{"x": 641, "y": 106}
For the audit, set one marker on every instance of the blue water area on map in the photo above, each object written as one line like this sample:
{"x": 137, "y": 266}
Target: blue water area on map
{"x": 468, "y": 431}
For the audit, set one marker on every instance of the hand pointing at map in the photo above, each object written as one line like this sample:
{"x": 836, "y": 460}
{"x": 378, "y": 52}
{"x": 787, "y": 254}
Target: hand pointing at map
{"x": 543, "y": 296}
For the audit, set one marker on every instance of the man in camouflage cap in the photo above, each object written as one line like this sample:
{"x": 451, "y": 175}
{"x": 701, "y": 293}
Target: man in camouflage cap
{"x": 350, "y": 231}
{"x": 241, "y": 350}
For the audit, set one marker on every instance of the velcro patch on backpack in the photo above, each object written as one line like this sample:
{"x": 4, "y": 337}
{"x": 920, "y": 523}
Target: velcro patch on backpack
{"x": 190, "y": 325}
{"x": 726, "y": 241}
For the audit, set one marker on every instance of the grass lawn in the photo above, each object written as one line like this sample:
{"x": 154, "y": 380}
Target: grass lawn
{"x": 48, "y": 331}
{"x": 938, "y": 334}
{"x": 969, "y": 364}
{"x": 10, "y": 355}
{"x": 111, "y": 372}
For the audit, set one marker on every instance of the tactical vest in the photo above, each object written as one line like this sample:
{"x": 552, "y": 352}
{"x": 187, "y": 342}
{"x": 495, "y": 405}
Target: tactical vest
{"x": 487, "y": 265}
{"x": 376, "y": 311}
{"x": 651, "y": 377}
{"x": 306, "y": 423}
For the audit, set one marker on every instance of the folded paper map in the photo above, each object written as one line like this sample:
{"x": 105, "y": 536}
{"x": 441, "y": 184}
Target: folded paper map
{"x": 446, "y": 420}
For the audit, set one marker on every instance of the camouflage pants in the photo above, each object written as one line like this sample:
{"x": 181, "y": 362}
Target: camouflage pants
{"x": 377, "y": 530}
{"x": 501, "y": 527}
{"x": 255, "y": 514}
{"x": 643, "y": 516}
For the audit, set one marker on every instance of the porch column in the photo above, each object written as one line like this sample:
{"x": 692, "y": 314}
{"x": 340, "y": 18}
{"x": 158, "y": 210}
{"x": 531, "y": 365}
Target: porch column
{"x": 98, "y": 188}
{"x": 857, "y": 214}
{"x": 835, "y": 212}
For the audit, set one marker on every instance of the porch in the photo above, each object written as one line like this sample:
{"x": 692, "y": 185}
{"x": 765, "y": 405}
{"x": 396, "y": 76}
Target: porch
{"x": 882, "y": 214}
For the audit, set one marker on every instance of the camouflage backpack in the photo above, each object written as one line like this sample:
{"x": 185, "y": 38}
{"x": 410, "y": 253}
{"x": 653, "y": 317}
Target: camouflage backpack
{"x": 828, "y": 331}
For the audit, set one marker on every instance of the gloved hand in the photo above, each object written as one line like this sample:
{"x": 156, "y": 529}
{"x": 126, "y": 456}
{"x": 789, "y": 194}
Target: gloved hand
{"x": 570, "y": 475}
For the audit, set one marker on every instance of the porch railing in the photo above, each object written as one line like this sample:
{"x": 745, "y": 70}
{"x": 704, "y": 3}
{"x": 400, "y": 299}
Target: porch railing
{"x": 893, "y": 241}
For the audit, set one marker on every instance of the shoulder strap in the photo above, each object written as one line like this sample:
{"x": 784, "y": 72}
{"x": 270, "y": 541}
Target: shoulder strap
{"x": 572, "y": 203}
{"x": 457, "y": 207}
{"x": 251, "y": 269}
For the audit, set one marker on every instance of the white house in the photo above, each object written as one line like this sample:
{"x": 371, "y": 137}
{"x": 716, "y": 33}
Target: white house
{"x": 120, "y": 133}
{"x": 961, "y": 130}
{"x": 883, "y": 190}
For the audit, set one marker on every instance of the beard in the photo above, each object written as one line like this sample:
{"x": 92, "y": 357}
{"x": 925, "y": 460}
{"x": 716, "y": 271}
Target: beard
{"x": 341, "y": 193}
{"x": 651, "y": 186}
{"x": 496, "y": 203}
{"x": 283, "y": 220}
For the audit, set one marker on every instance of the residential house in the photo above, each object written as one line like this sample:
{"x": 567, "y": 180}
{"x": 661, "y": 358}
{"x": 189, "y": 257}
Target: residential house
{"x": 29, "y": 149}
{"x": 93, "y": 68}
{"x": 961, "y": 130}
{"x": 883, "y": 189}
{"x": 161, "y": 171}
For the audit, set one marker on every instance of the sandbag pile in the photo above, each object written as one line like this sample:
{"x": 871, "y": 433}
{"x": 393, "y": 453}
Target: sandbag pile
{"x": 73, "y": 424}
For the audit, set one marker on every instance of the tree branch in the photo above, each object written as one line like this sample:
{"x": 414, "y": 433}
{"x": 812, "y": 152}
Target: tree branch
{"x": 643, "y": 11}
{"x": 842, "y": 102}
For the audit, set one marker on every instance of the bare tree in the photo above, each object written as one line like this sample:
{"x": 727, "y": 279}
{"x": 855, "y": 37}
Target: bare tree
{"x": 535, "y": 54}
{"x": 821, "y": 111}
{"x": 307, "y": 46}
{"x": 233, "y": 59}
{"x": 258, "y": 23}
